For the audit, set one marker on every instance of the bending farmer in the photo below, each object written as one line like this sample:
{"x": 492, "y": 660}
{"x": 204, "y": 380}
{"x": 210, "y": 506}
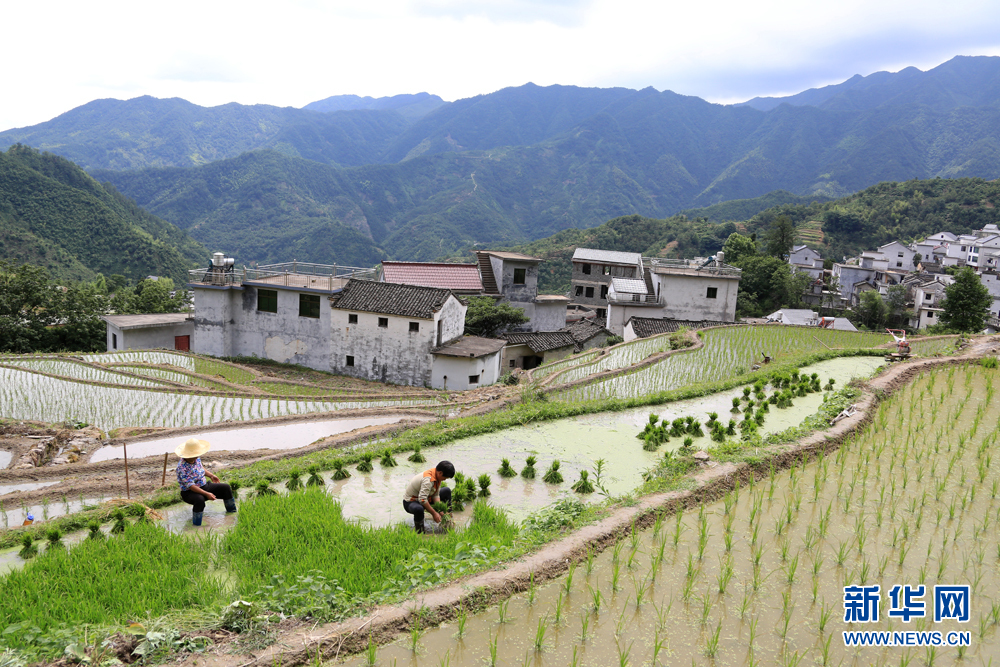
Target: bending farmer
{"x": 191, "y": 476}
{"x": 424, "y": 490}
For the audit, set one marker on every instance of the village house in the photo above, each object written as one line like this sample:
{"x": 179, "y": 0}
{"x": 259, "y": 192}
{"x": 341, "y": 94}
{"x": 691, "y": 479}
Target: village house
{"x": 169, "y": 331}
{"x": 804, "y": 259}
{"x": 644, "y": 327}
{"x": 462, "y": 279}
{"x": 677, "y": 289}
{"x": 927, "y": 296}
{"x": 530, "y": 349}
{"x": 593, "y": 271}
{"x": 513, "y": 278}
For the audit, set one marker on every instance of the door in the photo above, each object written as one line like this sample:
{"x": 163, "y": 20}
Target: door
{"x": 182, "y": 343}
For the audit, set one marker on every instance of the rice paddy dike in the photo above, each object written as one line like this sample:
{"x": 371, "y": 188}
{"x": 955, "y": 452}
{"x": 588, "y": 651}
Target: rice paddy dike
{"x": 436, "y": 435}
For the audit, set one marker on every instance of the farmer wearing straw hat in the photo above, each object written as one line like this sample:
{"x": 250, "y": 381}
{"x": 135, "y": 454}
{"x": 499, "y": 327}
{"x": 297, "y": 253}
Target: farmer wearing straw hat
{"x": 191, "y": 476}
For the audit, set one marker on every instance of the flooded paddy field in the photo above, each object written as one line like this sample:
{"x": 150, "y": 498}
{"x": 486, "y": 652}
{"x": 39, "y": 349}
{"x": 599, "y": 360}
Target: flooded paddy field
{"x": 758, "y": 577}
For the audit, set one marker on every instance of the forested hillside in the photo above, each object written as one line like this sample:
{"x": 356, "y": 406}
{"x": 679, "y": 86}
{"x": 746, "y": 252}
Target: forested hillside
{"x": 54, "y": 215}
{"x": 147, "y": 132}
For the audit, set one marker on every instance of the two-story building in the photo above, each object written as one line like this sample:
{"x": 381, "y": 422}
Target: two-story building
{"x": 927, "y": 297}
{"x": 513, "y": 278}
{"x": 593, "y": 271}
{"x": 804, "y": 259}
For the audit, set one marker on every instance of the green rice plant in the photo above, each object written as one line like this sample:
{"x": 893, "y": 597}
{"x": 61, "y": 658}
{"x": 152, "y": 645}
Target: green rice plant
{"x": 315, "y": 479}
{"x": 463, "y": 618}
{"x": 340, "y": 471}
{"x": 294, "y": 482}
{"x": 484, "y": 485}
{"x": 95, "y": 530}
{"x": 736, "y": 405}
{"x": 584, "y": 626}
{"x": 28, "y": 548}
{"x": 502, "y": 611}
{"x": 417, "y": 456}
{"x": 262, "y": 488}
{"x": 365, "y": 465}
{"x": 583, "y": 485}
{"x": 118, "y": 514}
{"x": 235, "y": 486}
{"x": 712, "y": 645}
{"x": 528, "y": 471}
{"x": 386, "y": 460}
{"x": 505, "y": 469}
{"x": 371, "y": 653}
{"x": 540, "y": 634}
{"x": 54, "y": 537}
{"x": 552, "y": 475}
{"x": 559, "y": 609}
{"x": 596, "y": 598}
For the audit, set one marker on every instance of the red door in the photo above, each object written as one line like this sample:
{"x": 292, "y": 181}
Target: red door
{"x": 182, "y": 343}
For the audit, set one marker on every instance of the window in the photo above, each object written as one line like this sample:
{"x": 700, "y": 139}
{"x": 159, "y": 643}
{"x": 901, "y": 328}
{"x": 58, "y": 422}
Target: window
{"x": 601, "y": 313}
{"x": 899, "y": 254}
{"x": 963, "y": 248}
{"x": 414, "y": 327}
{"x": 383, "y": 322}
{"x": 604, "y": 291}
{"x": 350, "y": 361}
{"x": 473, "y": 379}
{"x": 928, "y": 297}
{"x": 309, "y": 305}
{"x": 513, "y": 363}
{"x": 930, "y": 313}
{"x": 590, "y": 292}
{"x": 519, "y": 276}
{"x": 899, "y": 264}
{"x": 352, "y": 318}
{"x": 586, "y": 269}
{"x": 606, "y": 270}
{"x": 114, "y": 341}
{"x": 579, "y": 291}
{"x": 713, "y": 292}
{"x": 267, "y": 300}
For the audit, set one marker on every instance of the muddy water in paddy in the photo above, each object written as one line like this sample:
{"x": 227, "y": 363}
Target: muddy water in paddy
{"x": 913, "y": 499}
{"x": 283, "y": 436}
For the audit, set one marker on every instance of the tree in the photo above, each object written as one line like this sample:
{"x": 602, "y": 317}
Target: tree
{"x": 737, "y": 247}
{"x": 966, "y": 303}
{"x": 766, "y": 281}
{"x": 780, "y": 237}
{"x": 149, "y": 297}
{"x": 871, "y": 310}
{"x": 486, "y": 317}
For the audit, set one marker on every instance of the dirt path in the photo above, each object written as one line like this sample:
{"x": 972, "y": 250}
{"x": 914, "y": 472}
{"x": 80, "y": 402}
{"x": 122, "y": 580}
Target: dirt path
{"x": 384, "y": 624}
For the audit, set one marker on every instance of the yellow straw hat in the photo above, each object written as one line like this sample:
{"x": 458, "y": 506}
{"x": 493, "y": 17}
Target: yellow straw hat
{"x": 192, "y": 449}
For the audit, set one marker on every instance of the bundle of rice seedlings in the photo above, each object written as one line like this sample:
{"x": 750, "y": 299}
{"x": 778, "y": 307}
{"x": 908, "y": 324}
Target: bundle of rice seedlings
{"x": 386, "y": 461}
{"x": 95, "y": 530}
{"x": 484, "y": 485}
{"x": 416, "y": 456}
{"x": 366, "y": 462}
{"x": 54, "y": 536}
{"x": 584, "y": 485}
{"x": 120, "y": 523}
{"x": 552, "y": 475}
{"x": 339, "y": 471}
{"x": 505, "y": 469}
{"x": 315, "y": 479}
{"x": 528, "y": 471}
{"x": 263, "y": 488}
{"x": 28, "y": 548}
{"x": 294, "y": 482}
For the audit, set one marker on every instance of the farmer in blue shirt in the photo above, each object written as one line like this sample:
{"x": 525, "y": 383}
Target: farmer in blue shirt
{"x": 191, "y": 476}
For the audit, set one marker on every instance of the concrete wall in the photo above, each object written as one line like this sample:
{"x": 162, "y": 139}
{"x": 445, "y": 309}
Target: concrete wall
{"x": 213, "y": 319}
{"x": 618, "y": 315}
{"x": 806, "y": 257}
{"x": 848, "y": 276}
{"x": 685, "y": 297}
{"x": 596, "y": 279}
{"x": 517, "y": 294}
{"x": 899, "y": 255}
{"x": 515, "y": 353}
{"x": 549, "y": 317}
{"x": 148, "y": 338}
{"x": 452, "y": 373}
{"x": 282, "y": 336}
{"x": 394, "y": 353}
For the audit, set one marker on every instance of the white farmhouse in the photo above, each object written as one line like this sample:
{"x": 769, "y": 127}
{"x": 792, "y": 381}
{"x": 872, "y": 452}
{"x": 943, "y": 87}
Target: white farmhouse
{"x": 927, "y": 297}
{"x": 169, "y": 331}
{"x": 513, "y": 278}
{"x": 806, "y": 260}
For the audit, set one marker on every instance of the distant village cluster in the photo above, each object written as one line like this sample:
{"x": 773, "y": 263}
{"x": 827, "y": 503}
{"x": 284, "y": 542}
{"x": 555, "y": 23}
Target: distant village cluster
{"x": 920, "y": 267}
{"x": 404, "y": 322}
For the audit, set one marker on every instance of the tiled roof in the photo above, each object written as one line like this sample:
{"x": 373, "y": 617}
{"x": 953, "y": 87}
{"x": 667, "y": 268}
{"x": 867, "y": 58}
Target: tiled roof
{"x": 391, "y": 299}
{"x": 607, "y": 256}
{"x": 541, "y": 341}
{"x": 644, "y": 327}
{"x": 628, "y": 286}
{"x": 470, "y": 347}
{"x": 457, "y": 277}
{"x": 584, "y": 330}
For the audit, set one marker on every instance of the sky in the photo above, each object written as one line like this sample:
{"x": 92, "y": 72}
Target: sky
{"x": 58, "y": 55}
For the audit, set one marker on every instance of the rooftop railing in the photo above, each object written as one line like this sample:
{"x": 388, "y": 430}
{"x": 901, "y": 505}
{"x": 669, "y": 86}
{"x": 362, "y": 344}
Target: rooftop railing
{"x": 711, "y": 268}
{"x": 633, "y": 299}
{"x": 286, "y": 274}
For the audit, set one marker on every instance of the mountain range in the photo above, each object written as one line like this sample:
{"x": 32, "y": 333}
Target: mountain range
{"x": 353, "y": 180}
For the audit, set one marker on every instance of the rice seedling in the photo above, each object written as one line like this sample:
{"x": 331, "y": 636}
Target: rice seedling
{"x": 559, "y": 609}
{"x": 371, "y": 653}
{"x": 505, "y": 470}
{"x": 386, "y": 460}
{"x": 95, "y": 530}
{"x": 528, "y": 471}
{"x": 502, "y": 611}
{"x": 365, "y": 465}
{"x": 552, "y": 475}
{"x": 484, "y": 485}
{"x": 540, "y": 634}
{"x": 584, "y": 626}
{"x": 294, "y": 482}
{"x": 568, "y": 581}
{"x": 583, "y": 485}
{"x": 712, "y": 645}
{"x": 28, "y": 548}
{"x": 461, "y": 621}
{"x": 54, "y": 537}
{"x": 263, "y": 488}
{"x": 118, "y": 514}
{"x": 417, "y": 456}
{"x": 596, "y": 598}
{"x": 340, "y": 471}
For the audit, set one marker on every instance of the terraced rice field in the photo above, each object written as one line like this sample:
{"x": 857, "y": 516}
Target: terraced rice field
{"x": 758, "y": 577}
{"x": 726, "y": 352}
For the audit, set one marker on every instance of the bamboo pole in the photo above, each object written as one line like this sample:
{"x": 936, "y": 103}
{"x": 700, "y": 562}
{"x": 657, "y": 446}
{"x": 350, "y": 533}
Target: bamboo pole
{"x": 163, "y": 482}
{"x": 128, "y": 493}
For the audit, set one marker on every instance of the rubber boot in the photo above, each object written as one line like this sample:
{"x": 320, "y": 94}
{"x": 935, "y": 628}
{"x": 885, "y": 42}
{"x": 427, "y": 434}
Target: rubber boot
{"x": 230, "y": 505}
{"x": 196, "y": 518}
{"x": 418, "y": 525}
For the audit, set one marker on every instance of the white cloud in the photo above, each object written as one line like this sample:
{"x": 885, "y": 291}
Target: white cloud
{"x": 299, "y": 51}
